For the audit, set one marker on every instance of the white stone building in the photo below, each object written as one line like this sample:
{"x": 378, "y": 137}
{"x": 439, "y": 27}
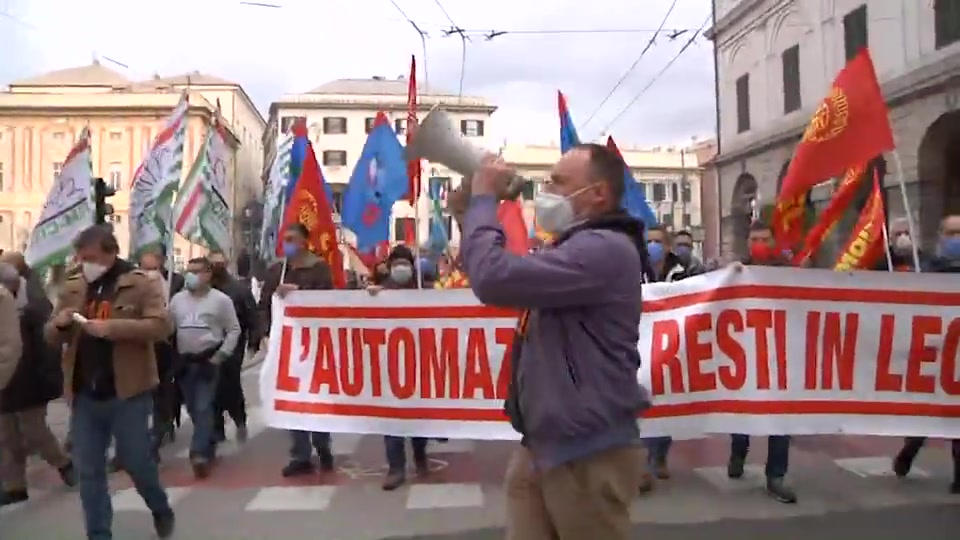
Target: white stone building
{"x": 775, "y": 61}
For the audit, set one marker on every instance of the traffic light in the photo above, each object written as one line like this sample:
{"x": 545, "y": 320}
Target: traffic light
{"x": 101, "y": 191}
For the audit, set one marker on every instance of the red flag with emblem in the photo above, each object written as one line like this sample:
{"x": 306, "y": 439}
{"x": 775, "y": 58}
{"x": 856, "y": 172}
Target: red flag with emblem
{"x": 831, "y": 215}
{"x": 850, "y": 127}
{"x": 309, "y": 205}
{"x": 867, "y": 244}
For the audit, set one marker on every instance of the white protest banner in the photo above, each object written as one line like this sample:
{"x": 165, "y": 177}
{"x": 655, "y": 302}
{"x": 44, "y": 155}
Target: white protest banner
{"x": 758, "y": 351}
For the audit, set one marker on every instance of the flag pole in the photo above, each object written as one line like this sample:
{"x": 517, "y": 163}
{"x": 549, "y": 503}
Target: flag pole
{"x": 906, "y": 209}
{"x": 169, "y": 257}
{"x": 883, "y": 226}
{"x": 276, "y": 243}
{"x": 416, "y": 236}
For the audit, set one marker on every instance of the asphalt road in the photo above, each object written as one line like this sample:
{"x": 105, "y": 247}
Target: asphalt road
{"x": 941, "y": 522}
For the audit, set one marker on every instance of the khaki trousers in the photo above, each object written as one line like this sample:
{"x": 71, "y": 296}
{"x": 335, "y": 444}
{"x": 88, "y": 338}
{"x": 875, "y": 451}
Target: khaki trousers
{"x": 588, "y": 499}
{"x": 21, "y": 434}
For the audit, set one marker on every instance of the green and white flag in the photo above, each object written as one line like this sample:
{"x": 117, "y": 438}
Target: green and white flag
{"x": 273, "y": 198}
{"x": 155, "y": 184}
{"x": 202, "y": 211}
{"x": 68, "y": 210}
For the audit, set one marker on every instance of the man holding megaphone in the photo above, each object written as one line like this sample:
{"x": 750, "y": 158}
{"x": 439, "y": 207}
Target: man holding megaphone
{"x": 574, "y": 395}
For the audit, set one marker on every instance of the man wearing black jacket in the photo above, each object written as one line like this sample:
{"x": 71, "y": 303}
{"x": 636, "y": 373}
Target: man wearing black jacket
{"x": 230, "y": 398}
{"x": 763, "y": 252}
{"x": 666, "y": 267}
{"x": 947, "y": 262}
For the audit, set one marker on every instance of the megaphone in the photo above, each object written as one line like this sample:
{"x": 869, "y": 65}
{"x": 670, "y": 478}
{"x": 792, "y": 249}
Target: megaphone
{"x": 437, "y": 140}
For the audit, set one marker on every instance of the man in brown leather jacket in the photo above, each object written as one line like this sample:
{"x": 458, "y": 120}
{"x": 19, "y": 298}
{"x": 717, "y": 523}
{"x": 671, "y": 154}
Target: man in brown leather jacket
{"x": 106, "y": 320}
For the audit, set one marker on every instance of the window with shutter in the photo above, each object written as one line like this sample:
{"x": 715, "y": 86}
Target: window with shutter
{"x": 790, "y": 62}
{"x": 743, "y": 103}
{"x": 335, "y": 158}
{"x": 471, "y": 128}
{"x": 659, "y": 192}
{"x": 334, "y": 125}
{"x": 946, "y": 14}
{"x": 368, "y": 124}
{"x": 855, "y": 31}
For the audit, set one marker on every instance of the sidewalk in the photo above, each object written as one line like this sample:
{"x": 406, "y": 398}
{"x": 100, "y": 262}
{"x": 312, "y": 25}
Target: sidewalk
{"x": 58, "y": 414}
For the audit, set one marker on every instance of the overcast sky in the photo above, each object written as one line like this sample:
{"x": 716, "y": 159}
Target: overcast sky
{"x": 308, "y": 42}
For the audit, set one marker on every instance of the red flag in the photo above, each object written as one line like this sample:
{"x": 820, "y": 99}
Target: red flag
{"x": 413, "y": 167}
{"x": 850, "y": 127}
{"x": 867, "y": 244}
{"x": 841, "y": 200}
{"x": 309, "y": 205}
{"x": 510, "y": 215}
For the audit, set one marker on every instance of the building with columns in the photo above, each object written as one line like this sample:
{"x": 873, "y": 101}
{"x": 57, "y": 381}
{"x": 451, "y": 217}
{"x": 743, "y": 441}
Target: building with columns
{"x": 775, "y": 61}
{"x": 41, "y": 117}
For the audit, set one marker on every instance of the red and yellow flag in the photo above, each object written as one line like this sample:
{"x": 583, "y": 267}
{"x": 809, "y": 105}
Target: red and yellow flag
{"x": 309, "y": 206}
{"x": 850, "y": 127}
{"x": 842, "y": 198}
{"x": 866, "y": 245}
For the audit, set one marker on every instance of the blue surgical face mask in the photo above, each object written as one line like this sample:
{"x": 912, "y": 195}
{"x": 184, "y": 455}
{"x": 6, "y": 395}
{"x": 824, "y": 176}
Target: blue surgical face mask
{"x": 950, "y": 247}
{"x": 191, "y": 281}
{"x": 656, "y": 252}
{"x": 684, "y": 252}
{"x": 290, "y": 250}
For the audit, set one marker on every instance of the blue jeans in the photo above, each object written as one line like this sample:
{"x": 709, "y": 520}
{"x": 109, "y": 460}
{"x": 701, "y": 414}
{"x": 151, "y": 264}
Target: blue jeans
{"x": 657, "y": 449}
{"x": 778, "y": 453}
{"x": 93, "y": 423}
{"x": 397, "y": 453}
{"x": 199, "y": 389}
{"x": 303, "y": 443}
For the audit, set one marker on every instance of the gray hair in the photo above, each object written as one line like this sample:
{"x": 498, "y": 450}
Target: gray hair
{"x": 900, "y": 224}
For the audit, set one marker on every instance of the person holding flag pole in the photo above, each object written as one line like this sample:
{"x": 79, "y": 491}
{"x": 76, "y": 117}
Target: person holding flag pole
{"x": 311, "y": 261}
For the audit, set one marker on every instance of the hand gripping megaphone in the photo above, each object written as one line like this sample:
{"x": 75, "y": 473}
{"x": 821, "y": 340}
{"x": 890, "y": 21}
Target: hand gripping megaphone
{"x": 438, "y": 141}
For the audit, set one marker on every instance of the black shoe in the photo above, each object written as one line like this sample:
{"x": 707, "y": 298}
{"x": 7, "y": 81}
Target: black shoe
{"x": 68, "y": 475}
{"x": 735, "y": 467}
{"x": 164, "y": 524}
{"x": 297, "y": 468}
{"x": 393, "y": 480}
{"x": 780, "y": 492}
{"x": 13, "y": 497}
{"x": 955, "y": 487}
{"x": 326, "y": 458}
{"x": 201, "y": 467}
{"x": 902, "y": 465}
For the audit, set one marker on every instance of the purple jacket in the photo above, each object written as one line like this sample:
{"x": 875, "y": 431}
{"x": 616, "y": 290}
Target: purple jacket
{"x": 574, "y": 391}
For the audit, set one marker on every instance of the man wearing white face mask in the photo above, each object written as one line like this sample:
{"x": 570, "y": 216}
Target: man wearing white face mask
{"x": 400, "y": 275}
{"x": 901, "y": 249}
{"x": 107, "y": 319}
{"x": 574, "y": 395}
